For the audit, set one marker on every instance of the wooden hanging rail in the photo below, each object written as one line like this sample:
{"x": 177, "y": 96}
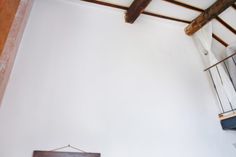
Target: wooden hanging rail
{"x": 112, "y": 5}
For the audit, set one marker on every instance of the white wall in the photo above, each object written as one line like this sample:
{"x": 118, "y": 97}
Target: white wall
{"x": 83, "y": 76}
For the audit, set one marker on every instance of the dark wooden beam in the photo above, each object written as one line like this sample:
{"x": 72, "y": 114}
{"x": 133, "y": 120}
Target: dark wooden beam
{"x": 220, "y": 20}
{"x": 165, "y": 17}
{"x": 107, "y": 4}
{"x": 210, "y": 13}
{"x": 220, "y": 40}
{"x": 135, "y": 9}
{"x": 234, "y": 6}
{"x": 185, "y": 5}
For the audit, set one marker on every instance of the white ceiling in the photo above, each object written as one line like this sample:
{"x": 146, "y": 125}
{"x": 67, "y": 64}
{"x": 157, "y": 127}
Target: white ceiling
{"x": 168, "y": 9}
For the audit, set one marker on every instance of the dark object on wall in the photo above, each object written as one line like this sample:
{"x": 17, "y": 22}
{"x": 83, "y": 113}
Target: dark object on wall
{"x": 64, "y": 154}
{"x": 229, "y": 123}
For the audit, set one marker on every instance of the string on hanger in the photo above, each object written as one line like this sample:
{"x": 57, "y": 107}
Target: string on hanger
{"x": 68, "y": 146}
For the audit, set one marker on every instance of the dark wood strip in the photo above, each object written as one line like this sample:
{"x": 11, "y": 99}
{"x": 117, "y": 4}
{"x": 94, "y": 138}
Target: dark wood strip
{"x": 225, "y": 24}
{"x": 107, "y": 4}
{"x": 220, "y": 40}
{"x": 38, "y": 153}
{"x": 185, "y": 5}
{"x": 166, "y": 17}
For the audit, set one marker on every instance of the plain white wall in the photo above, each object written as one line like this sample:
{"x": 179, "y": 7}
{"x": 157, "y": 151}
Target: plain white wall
{"x": 85, "y": 77}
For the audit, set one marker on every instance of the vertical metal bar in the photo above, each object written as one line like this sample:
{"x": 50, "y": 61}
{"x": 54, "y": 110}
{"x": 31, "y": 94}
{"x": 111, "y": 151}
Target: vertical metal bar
{"x": 222, "y": 108}
{"x": 222, "y": 85}
{"x": 234, "y": 60}
{"x": 230, "y": 76}
{"x": 219, "y": 75}
{"x": 234, "y": 64}
{"x": 231, "y": 106}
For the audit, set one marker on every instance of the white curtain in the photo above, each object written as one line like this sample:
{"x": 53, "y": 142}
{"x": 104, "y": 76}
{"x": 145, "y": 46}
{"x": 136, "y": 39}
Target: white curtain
{"x": 224, "y": 86}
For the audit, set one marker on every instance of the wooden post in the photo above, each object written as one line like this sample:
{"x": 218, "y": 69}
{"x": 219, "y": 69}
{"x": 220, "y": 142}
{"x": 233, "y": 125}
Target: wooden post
{"x": 8, "y": 10}
{"x": 13, "y": 18}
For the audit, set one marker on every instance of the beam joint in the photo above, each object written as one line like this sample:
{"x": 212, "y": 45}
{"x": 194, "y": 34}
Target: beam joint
{"x": 135, "y": 9}
{"x": 210, "y": 13}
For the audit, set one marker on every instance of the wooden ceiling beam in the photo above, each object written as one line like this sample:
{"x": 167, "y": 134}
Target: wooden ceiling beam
{"x": 220, "y": 20}
{"x": 234, "y": 6}
{"x": 210, "y": 13}
{"x": 135, "y": 9}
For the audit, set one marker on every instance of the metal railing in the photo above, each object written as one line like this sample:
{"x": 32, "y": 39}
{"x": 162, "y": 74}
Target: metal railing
{"x": 229, "y": 65}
